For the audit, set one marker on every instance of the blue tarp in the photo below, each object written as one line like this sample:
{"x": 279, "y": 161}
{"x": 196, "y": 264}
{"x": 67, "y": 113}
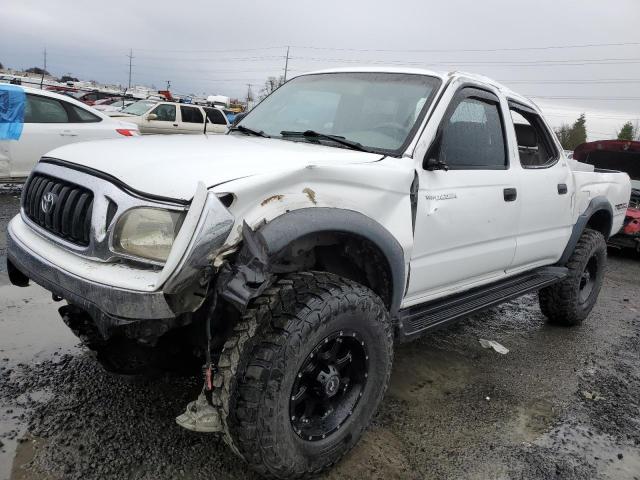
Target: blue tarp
{"x": 12, "y": 103}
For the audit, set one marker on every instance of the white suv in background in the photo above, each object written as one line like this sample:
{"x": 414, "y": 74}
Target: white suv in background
{"x": 170, "y": 117}
{"x": 50, "y": 121}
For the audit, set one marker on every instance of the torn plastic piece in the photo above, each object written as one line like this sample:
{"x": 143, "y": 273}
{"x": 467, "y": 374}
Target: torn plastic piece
{"x": 249, "y": 275}
{"x": 495, "y": 345}
{"x": 12, "y": 106}
{"x": 200, "y": 416}
{"x": 591, "y": 395}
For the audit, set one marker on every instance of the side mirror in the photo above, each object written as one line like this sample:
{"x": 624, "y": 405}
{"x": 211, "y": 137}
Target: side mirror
{"x": 431, "y": 164}
{"x": 152, "y": 116}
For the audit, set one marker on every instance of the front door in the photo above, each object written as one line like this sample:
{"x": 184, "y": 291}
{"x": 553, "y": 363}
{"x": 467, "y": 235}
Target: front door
{"x": 165, "y": 120}
{"x": 466, "y": 215}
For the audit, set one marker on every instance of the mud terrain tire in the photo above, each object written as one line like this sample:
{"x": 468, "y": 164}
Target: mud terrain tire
{"x": 261, "y": 364}
{"x": 570, "y": 301}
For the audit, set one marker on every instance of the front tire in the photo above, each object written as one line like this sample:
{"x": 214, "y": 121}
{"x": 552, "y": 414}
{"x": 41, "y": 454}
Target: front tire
{"x": 571, "y": 300}
{"x": 303, "y": 373}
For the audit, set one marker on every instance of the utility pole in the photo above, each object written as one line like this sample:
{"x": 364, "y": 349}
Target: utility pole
{"x": 130, "y": 65}
{"x": 286, "y": 64}
{"x": 44, "y": 68}
{"x": 249, "y": 95}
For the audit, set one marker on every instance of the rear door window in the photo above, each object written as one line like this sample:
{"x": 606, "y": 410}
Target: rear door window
{"x": 215, "y": 116}
{"x": 535, "y": 147}
{"x": 44, "y": 110}
{"x": 191, "y": 115}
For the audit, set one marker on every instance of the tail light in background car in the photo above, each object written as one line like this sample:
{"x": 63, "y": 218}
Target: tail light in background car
{"x": 128, "y": 132}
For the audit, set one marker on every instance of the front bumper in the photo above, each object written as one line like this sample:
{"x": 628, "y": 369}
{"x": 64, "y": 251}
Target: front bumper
{"x": 114, "y": 305}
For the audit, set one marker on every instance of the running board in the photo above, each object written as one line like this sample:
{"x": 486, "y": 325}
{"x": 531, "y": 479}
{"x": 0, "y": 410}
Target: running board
{"x": 418, "y": 319}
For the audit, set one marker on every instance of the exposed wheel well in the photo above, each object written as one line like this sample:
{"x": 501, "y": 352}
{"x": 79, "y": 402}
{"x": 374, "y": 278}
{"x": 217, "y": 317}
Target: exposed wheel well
{"x": 346, "y": 254}
{"x": 601, "y": 221}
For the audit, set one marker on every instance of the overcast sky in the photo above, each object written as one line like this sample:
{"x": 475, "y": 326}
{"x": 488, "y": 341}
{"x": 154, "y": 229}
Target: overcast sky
{"x": 203, "y": 46}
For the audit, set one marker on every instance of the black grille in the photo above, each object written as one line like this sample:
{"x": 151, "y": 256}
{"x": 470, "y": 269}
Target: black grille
{"x": 69, "y": 215}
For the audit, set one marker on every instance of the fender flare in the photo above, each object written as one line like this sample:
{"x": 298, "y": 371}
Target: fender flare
{"x": 596, "y": 204}
{"x": 237, "y": 282}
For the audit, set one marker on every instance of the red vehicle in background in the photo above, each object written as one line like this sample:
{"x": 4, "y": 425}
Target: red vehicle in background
{"x": 624, "y": 156}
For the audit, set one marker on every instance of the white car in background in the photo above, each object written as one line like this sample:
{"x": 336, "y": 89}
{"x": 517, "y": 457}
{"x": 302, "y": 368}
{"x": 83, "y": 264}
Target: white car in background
{"x": 168, "y": 118}
{"x": 50, "y": 121}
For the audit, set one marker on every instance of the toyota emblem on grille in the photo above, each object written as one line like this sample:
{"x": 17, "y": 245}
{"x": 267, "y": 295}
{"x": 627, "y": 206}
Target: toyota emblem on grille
{"x": 48, "y": 201}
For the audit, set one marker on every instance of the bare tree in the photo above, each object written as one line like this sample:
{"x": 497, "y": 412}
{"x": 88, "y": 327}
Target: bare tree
{"x": 270, "y": 85}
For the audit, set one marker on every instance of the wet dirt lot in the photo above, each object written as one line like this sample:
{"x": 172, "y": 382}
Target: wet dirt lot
{"x": 563, "y": 403}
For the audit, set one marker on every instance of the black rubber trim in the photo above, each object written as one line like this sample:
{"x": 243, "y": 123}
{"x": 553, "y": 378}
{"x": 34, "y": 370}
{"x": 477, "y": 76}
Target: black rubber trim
{"x": 286, "y": 228}
{"x": 596, "y": 204}
{"x": 117, "y": 182}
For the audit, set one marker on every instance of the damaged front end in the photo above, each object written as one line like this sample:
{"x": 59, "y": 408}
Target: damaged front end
{"x": 119, "y": 304}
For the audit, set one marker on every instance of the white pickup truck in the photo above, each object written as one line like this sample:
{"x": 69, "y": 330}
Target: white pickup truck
{"x": 350, "y": 210}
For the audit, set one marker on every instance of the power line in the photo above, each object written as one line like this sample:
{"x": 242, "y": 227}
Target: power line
{"x": 450, "y": 50}
{"x": 573, "y": 82}
{"x": 553, "y": 97}
{"x": 587, "y": 61}
{"x": 222, "y": 50}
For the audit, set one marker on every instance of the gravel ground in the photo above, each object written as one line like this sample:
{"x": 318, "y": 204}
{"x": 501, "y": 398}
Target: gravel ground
{"x": 563, "y": 403}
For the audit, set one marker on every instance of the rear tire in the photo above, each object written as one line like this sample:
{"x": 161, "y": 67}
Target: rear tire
{"x": 571, "y": 300}
{"x": 321, "y": 339}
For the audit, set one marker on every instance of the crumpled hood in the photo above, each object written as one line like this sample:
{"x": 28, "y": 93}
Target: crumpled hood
{"x": 172, "y": 165}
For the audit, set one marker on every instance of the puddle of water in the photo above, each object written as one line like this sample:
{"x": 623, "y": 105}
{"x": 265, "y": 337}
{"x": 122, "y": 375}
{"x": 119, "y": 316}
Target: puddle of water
{"x": 30, "y": 327}
{"x": 31, "y": 330}
{"x": 612, "y": 457}
{"x": 378, "y": 455}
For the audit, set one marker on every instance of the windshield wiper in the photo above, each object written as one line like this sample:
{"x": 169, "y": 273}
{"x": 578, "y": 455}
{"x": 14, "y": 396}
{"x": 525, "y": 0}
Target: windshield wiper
{"x": 336, "y": 138}
{"x": 250, "y": 131}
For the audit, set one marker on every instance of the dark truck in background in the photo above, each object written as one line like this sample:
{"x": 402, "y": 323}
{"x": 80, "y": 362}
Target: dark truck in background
{"x": 623, "y": 156}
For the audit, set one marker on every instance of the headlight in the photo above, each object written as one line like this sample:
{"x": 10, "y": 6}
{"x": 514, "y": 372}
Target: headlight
{"x": 147, "y": 232}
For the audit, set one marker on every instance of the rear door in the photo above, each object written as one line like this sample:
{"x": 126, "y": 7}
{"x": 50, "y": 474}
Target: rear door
{"x": 546, "y": 191}
{"x": 191, "y": 119}
{"x": 46, "y": 126}
{"x": 217, "y": 120}
{"x": 466, "y": 216}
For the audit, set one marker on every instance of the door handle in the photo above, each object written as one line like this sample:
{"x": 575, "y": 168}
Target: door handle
{"x": 175, "y": 124}
{"x": 68, "y": 133}
{"x": 562, "y": 188}
{"x": 510, "y": 194}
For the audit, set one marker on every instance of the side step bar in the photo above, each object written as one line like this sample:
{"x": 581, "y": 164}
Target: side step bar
{"x": 416, "y": 320}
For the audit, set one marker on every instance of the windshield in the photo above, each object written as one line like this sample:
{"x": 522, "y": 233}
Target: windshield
{"x": 139, "y": 108}
{"x": 377, "y": 110}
